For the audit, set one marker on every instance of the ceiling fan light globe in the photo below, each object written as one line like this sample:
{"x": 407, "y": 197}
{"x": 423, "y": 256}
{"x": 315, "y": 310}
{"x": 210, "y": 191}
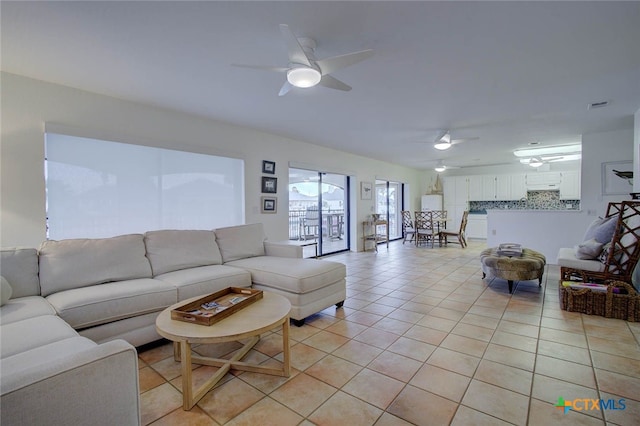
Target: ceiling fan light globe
{"x": 440, "y": 169}
{"x": 303, "y": 77}
{"x": 535, "y": 162}
{"x": 442, "y": 145}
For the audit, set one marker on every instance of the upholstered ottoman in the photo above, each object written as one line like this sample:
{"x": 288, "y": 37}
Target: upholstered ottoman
{"x": 310, "y": 285}
{"x": 528, "y": 266}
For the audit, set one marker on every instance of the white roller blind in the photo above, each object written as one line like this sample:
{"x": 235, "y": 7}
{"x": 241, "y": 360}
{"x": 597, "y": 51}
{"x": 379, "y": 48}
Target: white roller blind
{"x": 98, "y": 188}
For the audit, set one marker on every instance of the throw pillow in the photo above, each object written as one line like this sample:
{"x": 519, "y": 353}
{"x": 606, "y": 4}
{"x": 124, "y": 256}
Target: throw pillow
{"x": 602, "y": 229}
{"x": 604, "y": 256}
{"x": 5, "y": 290}
{"x": 588, "y": 249}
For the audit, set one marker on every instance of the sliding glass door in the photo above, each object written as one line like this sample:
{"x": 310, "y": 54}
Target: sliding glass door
{"x": 389, "y": 205}
{"x": 319, "y": 209}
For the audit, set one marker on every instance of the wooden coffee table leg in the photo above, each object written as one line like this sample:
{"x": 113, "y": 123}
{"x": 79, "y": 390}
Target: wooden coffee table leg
{"x": 286, "y": 348}
{"x": 187, "y": 380}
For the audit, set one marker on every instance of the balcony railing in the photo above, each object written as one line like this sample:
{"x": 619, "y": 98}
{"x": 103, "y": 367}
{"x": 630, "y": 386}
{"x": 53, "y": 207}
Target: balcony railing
{"x": 332, "y": 224}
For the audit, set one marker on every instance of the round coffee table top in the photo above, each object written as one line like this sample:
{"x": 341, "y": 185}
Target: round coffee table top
{"x": 262, "y": 315}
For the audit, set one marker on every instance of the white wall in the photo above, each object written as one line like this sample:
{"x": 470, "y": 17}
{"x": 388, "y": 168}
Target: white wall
{"x": 27, "y": 104}
{"x": 598, "y": 148}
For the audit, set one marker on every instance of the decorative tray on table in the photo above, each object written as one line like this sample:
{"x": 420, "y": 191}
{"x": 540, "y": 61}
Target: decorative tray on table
{"x": 214, "y": 307}
{"x": 510, "y": 249}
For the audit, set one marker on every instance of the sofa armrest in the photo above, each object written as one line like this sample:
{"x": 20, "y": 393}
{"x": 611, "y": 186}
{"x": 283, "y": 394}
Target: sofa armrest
{"x": 97, "y": 386}
{"x": 282, "y": 249}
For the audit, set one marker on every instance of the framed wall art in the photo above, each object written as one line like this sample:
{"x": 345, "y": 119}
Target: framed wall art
{"x": 269, "y": 185}
{"x": 617, "y": 178}
{"x": 366, "y": 190}
{"x": 269, "y": 167}
{"x": 269, "y": 205}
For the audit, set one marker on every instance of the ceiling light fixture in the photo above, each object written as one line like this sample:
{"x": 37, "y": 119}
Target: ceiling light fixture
{"x": 303, "y": 77}
{"x": 444, "y": 142}
{"x": 535, "y": 162}
{"x": 546, "y": 150}
{"x": 440, "y": 169}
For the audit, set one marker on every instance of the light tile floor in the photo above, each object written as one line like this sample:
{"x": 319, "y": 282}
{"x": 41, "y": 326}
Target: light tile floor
{"x": 423, "y": 340}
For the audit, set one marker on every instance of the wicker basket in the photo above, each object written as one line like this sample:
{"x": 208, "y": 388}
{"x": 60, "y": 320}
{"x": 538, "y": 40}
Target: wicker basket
{"x": 607, "y": 304}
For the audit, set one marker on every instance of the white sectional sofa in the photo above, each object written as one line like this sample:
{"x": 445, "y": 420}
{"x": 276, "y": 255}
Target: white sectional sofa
{"x": 79, "y": 307}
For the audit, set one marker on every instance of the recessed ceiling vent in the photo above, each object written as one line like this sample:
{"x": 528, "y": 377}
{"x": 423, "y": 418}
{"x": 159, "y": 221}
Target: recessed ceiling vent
{"x": 598, "y": 105}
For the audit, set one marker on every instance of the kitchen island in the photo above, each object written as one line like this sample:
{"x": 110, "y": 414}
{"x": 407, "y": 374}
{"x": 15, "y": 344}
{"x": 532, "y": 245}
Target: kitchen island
{"x": 545, "y": 231}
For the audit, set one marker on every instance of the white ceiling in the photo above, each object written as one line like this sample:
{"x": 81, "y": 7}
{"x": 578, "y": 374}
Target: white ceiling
{"x": 506, "y": 72}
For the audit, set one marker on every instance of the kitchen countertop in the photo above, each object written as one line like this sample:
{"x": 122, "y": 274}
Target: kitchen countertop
{"x": 532, "y": 211}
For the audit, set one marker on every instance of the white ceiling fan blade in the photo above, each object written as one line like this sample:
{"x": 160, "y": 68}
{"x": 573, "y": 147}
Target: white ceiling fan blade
{"x": 295, "y": 51}
{"x": 334, "y": 63}
{"x": 285, "y": 88}
{"x": 456, "y": 141}
{"x": 334, "y": 83}
{"x": 261, "y": 67}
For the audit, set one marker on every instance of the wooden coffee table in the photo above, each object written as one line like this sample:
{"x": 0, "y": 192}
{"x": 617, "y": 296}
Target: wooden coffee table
{"x": 266, "y": 314}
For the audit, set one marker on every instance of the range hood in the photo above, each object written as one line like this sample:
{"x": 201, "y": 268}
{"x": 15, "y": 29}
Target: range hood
{"x": 543, "y": 181}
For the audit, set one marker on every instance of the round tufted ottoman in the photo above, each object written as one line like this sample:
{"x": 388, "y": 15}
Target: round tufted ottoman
{"x": 529, "y": 266}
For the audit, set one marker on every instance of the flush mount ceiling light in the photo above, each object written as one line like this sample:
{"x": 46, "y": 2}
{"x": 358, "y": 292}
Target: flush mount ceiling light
{"x": 444, "y": 142}
{"x": 440, "y": 168}
{"x": 548, "y": 150}
{"x": 303, "y": 77}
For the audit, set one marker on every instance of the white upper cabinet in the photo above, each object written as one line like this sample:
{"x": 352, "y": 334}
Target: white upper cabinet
{"x": 475, "y": 188}
{"x": 570, "y": 185}
{"x": 517, "y": 187}
{"x": 488, "y": 188}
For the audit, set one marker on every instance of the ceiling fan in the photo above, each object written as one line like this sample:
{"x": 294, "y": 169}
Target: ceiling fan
{"x": 440, "y": 167}
{"x": 304, "y": 70}
{"x": 444, "y": 141}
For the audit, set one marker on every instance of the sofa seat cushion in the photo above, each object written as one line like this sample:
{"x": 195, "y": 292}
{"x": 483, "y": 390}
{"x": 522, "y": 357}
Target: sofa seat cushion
{"x": 70, "y": 264}
{"x": 90, "y": 306}
{"x": 25, "y": 307}
{"x": 21, "y": 336}
{"x": 205, "y": 279}
{"x": 292, "y": 275}
{"x": 48, "y": 353}
{"x": 567, "y": 258}
{"x": 172, "y": 250}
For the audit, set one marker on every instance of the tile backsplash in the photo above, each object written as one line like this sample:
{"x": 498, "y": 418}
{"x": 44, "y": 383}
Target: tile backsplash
{"x": 536, "y": 200}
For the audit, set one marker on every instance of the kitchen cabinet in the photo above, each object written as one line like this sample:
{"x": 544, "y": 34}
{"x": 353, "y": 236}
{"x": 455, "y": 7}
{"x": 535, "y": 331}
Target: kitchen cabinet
{"x": 476, "y": 192}
{"x": 476, "y": 226}
{"x": 570, "y": 185}
{"x": 488, "y": 188}
{"x": 497, "y": 188}
{"x": 518, "y": 187}
{"x": 456, "y": 197}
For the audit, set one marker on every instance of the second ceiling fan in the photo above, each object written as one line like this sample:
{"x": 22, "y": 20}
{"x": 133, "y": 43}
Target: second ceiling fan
{"x": 444, "y": 141}
{"x": 304, "y": 70}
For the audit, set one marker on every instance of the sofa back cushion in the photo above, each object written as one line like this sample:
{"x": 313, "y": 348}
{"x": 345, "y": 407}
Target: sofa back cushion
{"x": 19, "y": 266}
{"x": 240, "y": 242}
{"x": 172, "y": 250}
{"x": 75, "y": 263}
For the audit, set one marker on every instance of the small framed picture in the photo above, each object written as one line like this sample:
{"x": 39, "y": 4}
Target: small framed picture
{"x": 269, "y": 185}
{"x": 269, "y": 205}
{"x": 269, "y": 167}
{"x": 366, "y": 190}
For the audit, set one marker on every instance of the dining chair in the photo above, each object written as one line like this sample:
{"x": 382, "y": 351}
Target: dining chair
{"x": 425, "y": 231}
{"x": 462, "y": 240}
{"x": 439, "y": 219}
{"x": 408, "y": 226}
